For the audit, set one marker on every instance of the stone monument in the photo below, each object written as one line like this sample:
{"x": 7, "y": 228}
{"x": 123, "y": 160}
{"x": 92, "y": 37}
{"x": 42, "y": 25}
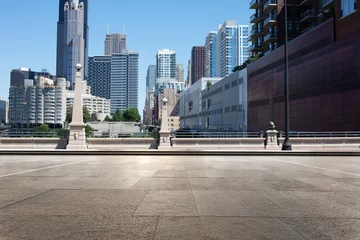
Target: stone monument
{"x": 165, "y": 143}
{"x": 77, "y": 137}
{"x": 271, "y": 137}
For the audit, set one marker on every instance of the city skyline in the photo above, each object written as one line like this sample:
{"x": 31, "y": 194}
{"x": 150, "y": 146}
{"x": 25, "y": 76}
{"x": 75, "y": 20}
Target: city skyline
{"x": 42, "y": 53}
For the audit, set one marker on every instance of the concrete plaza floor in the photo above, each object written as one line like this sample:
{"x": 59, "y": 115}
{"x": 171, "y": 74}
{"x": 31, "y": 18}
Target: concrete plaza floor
{"x": 179, "y": 197}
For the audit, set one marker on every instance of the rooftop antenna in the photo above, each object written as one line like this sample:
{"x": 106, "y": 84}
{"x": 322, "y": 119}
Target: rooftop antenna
{"x": 124, "y": 29}
{"x": 107, "y": 28}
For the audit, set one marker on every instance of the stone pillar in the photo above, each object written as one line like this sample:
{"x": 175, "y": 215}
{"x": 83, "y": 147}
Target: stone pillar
{"x": 165, "y": 143}
{"x": 77, "y": 137}
{"x": 271, "y": 138}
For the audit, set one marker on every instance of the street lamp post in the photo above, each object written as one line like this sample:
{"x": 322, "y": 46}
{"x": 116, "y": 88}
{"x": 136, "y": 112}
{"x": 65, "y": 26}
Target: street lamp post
{"x": 286, "y": 145}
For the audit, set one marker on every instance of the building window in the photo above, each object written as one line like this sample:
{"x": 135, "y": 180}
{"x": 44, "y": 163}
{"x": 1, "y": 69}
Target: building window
{"x": 347, "y": 7}
{"x": 234, "y": 83}
{"x": 234, "y": 108}
{"x": 227, "y": 86}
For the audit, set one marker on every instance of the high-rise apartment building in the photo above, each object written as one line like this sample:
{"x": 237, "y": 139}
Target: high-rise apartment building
{"x": 179, "y": 72}
{"x": 99, "y": 75}
{"x": 197, "y": 63}
{"x": 72, "y": 39}
{"x": 268, "y": 29}
{"x": 226, "y": 48}
{"x": 114, "y": 43}
{"x": 124, "y": 87}
{"x": 166, "y": 63}
{"x": 243, "y": 44}
{"x": 151, "y": 77}
{"x": 210, "y": 55}
{"x": 38, "y": 102}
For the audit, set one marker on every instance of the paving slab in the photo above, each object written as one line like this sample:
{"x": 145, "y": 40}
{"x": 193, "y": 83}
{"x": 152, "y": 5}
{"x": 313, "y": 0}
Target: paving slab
{"x": 168, "y": 203}
{"x": 180, "y": 228}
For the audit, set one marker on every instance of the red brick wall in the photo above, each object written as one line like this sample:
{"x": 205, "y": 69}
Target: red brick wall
{"x": 324, "y": 81}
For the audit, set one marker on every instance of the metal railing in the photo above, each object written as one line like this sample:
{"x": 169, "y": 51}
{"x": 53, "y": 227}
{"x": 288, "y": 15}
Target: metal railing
{"x": 321, "y": 134}
{"x": 218, "y": 135}
{"x": 33, "y": 135}
{"x": 308, "y": 13}
{"x": 121, "y": 135}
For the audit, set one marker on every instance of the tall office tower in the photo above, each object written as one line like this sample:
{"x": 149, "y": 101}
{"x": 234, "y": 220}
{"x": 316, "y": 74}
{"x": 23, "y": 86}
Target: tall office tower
{"x": 210, "y": 55}
{"x": 72, "y": 39}
{"x": 99, "y": 75}
{"x": 114, "y": 43}
{"x": 242, "y": 44}
{"x": 197, "y": 63}
{"x": 151, "y": 78}
{"x": 166, "y": 63}
{"x": 179, "y": 75}
{"x": 268, "y": 29}
{"x": 226, "y": 48}
{"x": 124, "y": 87}
{"x": 188, "y": 79}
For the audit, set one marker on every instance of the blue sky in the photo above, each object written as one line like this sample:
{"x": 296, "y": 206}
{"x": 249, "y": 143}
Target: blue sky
{"x": 28, "y": 30}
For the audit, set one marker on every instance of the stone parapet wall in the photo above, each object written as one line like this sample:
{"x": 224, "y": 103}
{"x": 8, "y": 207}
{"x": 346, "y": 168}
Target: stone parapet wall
{"x": 32, "y": 143}
{"x": 217, "y": 143}
{"x": 121, "y": 143}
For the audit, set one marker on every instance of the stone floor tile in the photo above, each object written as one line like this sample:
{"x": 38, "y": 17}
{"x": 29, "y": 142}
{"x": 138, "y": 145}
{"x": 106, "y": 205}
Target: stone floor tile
{"x": 225, "y": 228}
{"x": 42, "y": 227}
{"x": 109, "y": 228}
{"x": 330, "y": 184}
{"x": 163, "y": 184}
{"x": 291, "y": 185}
{"x": 180, "y": 228}
{"x": 9, "y": 223}
{"x": 232, "y": 203}
{"x": 325, "y": 228}
{"x": 168, "y": 203}
{"x": 170, "y": 174}
{"x": 48, "y": 197}
{"x": 111, "y": 183}
{"x": 230, "y": 184}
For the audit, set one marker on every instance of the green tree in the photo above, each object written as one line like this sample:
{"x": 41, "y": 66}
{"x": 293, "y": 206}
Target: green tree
{"x": 131, "y": 115}
{"x": 43, "y": 128}
{"x": 118, "y": 116}
{"x": 88, "y": 130}
{"x": 86, "y": 114}
{"x": 209, "y": 84}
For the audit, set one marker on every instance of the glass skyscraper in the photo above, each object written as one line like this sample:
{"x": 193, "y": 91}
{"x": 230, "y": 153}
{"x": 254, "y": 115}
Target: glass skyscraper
{"x": 226, "y": 48}
{"x": 243, "y": 44}
{"x": 210, "y": 55}
{"x": 72, "y": 38}
{"x": 124, "y": 86}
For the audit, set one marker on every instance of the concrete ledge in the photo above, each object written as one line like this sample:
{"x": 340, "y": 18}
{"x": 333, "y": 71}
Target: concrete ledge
{"x": 121, "y": 143}
{"x": 312, "y": 152}
{"x": 33, "y": 143}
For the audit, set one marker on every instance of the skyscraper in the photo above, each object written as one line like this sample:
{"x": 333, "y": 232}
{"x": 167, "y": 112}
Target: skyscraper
{"x": 114, "y": 43}
{"x": 226, "y": 48}
{"x": 197, "y": 63}
{"x": 210, "y": 55}
{"x": 72, "y": 37}
{"x": 179, "y": 75}
{"x": 99, "y": 75}
{"x": 151, "y": 77}
{"x": 166, "y": 64}
{"x": 124, "y": 87}
{"x": 243, "y": 44}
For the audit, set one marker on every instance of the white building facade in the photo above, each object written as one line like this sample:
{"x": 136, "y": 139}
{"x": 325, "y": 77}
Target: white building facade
{"x": 219, "y": 106}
